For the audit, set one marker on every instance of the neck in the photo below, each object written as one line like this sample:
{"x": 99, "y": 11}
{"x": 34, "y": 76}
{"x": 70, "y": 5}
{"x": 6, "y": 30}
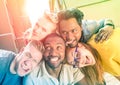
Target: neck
{"x": 54, "y": 71}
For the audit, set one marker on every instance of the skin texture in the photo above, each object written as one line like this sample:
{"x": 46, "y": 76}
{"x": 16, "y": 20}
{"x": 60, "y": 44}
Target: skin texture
{"x": 54, "y": 54}
{"x": 26, "y": 60}
{"x": 44, "y": 26}
{"x": 70, "y": 31}
{"x": 54, "y": 51}
{"x": 84, "y": 56}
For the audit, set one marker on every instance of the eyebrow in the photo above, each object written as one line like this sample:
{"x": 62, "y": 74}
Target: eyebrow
{"x": 30, "y": 56}
{"x": 57, "y": 43}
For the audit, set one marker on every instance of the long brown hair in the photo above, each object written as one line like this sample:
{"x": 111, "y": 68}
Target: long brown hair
{"x": 94, "y": 73}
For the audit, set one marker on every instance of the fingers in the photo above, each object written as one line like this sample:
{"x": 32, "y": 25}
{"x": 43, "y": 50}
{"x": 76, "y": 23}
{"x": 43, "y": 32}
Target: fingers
{"x": 108, "y": 36}
{"x": 99, "y": 35}
{"x": 104, "y": 34}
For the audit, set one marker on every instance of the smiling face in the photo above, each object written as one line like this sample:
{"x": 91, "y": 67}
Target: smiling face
{"x": 84, "y": 55}
{"x": 44, "y": 26}
{"x": 54, "y": 50}
{"x": 26, "y": 60}
{"x": 70, "y": 31}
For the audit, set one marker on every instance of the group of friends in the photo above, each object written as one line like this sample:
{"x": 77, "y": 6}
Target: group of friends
{"x": 59, "y": 52}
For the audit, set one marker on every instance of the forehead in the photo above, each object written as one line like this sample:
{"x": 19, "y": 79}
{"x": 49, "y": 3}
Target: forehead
{"x": 32, "y": 49}
{"x": 68, "y": 24}
{"x": 71, "y": 20}
{"x": 54, "y": 39}
{"x": 35, "y": 53}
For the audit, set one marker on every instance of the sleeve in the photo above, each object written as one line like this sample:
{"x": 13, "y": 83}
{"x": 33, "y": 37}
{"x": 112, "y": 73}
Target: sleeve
{"x": 89, "y": 28}
{"x": 5, "y": 59}
{"x": 103, "y": 22}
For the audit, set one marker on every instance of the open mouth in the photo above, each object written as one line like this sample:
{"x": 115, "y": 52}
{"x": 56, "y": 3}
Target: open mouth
{"x": 70, "y": 42}
{"x": 54, "y": 59}
{"x": 25, "y": 67}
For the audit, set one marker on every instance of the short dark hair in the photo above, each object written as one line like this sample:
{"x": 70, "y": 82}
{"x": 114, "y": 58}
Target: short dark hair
{"x": 71, "y": 13}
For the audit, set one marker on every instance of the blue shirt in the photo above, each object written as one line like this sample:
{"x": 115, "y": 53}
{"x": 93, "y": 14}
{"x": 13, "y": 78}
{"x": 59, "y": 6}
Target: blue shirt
{"x": 91, "y": 27}
{"x": 6, "y": 77}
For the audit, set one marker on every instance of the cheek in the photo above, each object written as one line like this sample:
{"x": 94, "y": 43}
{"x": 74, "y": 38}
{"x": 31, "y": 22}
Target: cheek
{"x": 64, "y": 37}
{"x": 45, "y": 54}
{"x": 78, "y": 36}
{"x": 34, "y": 64}
{"x": 70, "y": 58}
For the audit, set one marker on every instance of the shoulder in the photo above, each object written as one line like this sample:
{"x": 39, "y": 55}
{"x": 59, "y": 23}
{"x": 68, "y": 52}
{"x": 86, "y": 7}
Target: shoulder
{"x": 5, "y": 59}
{"x": 72, "y": 72}
{"x": 6, "y": 53}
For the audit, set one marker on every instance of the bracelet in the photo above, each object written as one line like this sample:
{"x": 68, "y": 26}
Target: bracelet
{"x": 109, "y": 24}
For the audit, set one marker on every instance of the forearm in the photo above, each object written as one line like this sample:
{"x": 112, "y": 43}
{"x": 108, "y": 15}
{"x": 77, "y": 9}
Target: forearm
{"x": 105, "y": 22}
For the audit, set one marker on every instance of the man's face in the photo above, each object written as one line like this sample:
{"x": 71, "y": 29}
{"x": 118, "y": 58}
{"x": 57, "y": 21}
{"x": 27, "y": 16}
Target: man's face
{"x": 70, "y": 31}
{"x": 42, "y": 28}
{"x": 54, "y": 51}
{"x": 27, "y": 60}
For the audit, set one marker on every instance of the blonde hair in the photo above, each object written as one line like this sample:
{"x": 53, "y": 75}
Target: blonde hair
{"x": 37, "y": 44}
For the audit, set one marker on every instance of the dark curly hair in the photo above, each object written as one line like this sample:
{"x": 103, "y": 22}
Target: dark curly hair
{"x": 71, "y": 13}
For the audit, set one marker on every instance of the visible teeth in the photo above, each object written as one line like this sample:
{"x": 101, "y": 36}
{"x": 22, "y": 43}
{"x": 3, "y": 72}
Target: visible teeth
{"x": 54, "y": 59}
{"x": 68, "y": 42}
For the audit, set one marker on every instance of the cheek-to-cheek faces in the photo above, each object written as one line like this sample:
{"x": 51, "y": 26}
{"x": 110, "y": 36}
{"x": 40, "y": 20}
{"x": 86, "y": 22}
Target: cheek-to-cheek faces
{"x": 45, "y": 55}
{"x": 78, "y": 35}
{"x": 70, "y": 57}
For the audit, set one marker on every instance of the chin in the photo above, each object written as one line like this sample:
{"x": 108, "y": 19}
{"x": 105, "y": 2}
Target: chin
{"x": 72, "y": 45}
{"x": 22, "y": 73}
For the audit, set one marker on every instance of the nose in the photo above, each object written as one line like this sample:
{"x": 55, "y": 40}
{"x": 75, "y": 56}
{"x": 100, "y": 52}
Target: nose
{"x": 53, "y": 52}
{"x": 28, "y": 63}
{"x": 69, "y": 36}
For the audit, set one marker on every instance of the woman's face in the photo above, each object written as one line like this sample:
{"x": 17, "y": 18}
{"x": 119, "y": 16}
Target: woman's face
{"x": 79, "y": 56}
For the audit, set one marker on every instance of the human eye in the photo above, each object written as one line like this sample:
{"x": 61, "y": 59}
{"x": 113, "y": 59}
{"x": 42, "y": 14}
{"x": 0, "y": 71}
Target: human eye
{"x": 59, "y": 47}
{"x": 74, "y": 30}
{"x": 64, "y": 33}
{"x": 27, "y": 54}
{"x": 47, "y": 48}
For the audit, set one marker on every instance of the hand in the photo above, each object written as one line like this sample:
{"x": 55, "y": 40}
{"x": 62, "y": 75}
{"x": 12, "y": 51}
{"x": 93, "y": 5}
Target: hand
{"x": 104, "y": 33}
